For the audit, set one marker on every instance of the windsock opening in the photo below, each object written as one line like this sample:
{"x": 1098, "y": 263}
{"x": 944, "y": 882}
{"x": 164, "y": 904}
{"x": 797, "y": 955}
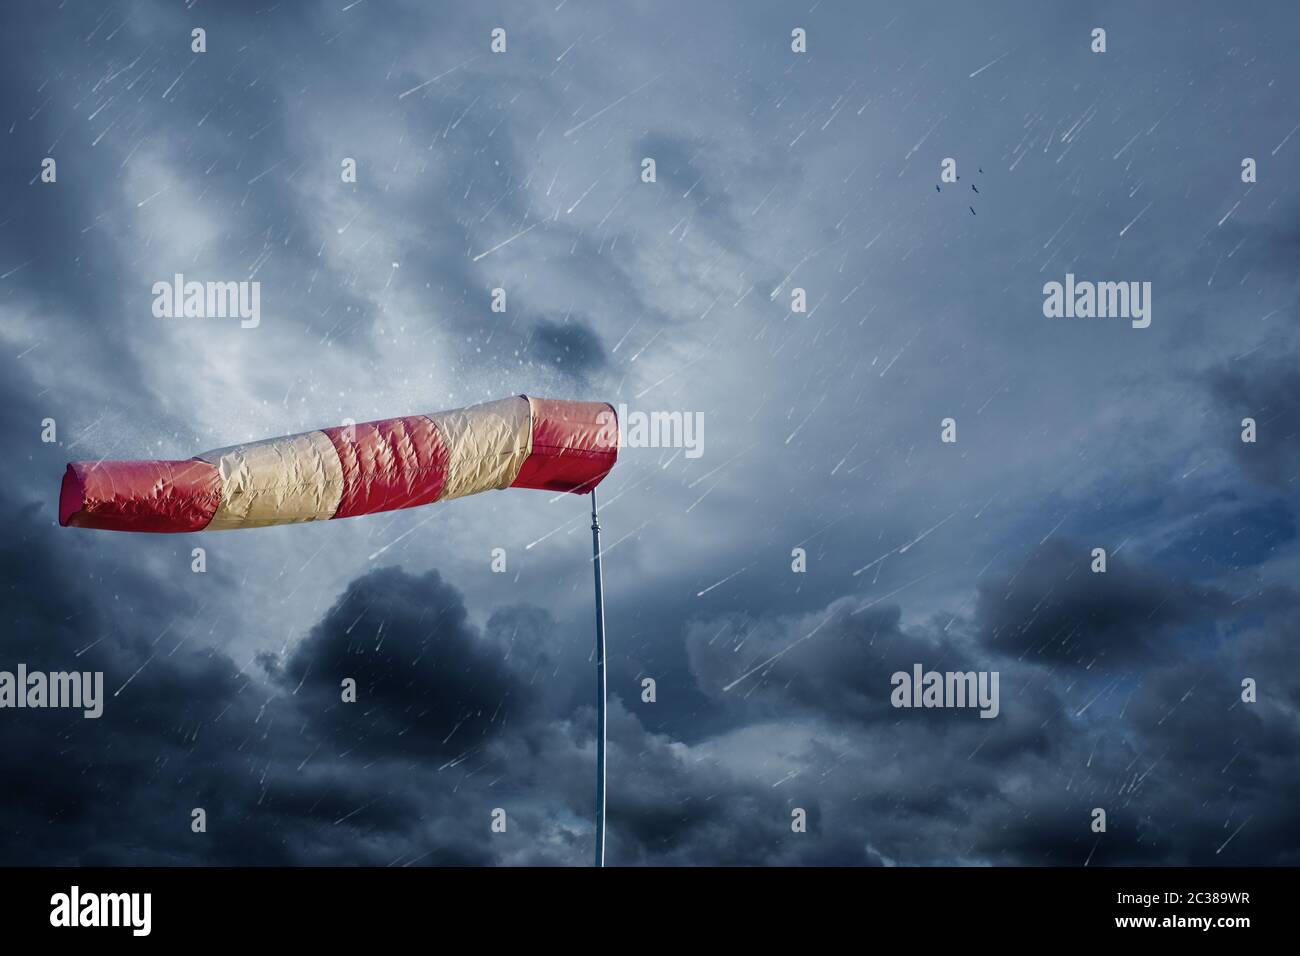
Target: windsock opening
{"x": 575, "y": 445}
{"x": 72, "y": 494}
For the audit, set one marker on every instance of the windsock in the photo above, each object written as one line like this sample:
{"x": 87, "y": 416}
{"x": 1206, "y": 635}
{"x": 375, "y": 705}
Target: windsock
{"x": 519, "y": 442}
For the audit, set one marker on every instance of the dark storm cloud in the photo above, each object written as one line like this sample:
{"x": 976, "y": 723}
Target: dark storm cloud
{"x": 72, "y": 779}
{"x": 430, "y": 684}
{"x": 677, "y": 165}
{"x": 570, "y": 346}
{"x": 278, "y": 769}
{"x": 1267, "y": 389}
{"x": 1051, "y": 607}
{"x": 288, "y": 774}
{"x": 1118, "y": 690}
{"x": 838, "y": 666}
{"x": 674, "y": 812}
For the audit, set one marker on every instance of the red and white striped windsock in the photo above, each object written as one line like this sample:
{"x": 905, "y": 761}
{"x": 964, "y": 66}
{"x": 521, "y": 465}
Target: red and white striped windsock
{"x": 519, "y": 442}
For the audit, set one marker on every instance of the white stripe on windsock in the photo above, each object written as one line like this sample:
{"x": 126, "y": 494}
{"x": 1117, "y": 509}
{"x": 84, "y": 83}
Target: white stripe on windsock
{"x": 277, "y": 481}
{"x": 487, "y": 445}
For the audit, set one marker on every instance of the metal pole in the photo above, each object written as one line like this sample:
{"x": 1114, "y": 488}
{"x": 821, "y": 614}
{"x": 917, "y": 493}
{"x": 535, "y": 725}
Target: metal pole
{"x": 600, "y": 682}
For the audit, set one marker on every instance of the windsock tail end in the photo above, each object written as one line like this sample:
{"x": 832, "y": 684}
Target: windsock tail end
{"x": 152, "y": 496}
{"x": 71, "y": 495}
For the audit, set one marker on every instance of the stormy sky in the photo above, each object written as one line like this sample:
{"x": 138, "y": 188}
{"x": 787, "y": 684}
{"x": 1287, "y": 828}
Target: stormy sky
{"x": 776, "y": 170}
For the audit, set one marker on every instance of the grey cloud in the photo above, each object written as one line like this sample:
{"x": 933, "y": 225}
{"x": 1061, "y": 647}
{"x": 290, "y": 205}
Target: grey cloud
{"x": 1266, "y": 389}
{"x": 1053, "y": 608}
{"x": 522, "y": 171}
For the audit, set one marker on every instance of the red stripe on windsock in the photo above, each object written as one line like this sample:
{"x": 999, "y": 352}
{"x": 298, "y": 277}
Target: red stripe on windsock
{"x": 157, "y": 496}
{"x": 389, "y": 464}
{"x": 575, "y": 444}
